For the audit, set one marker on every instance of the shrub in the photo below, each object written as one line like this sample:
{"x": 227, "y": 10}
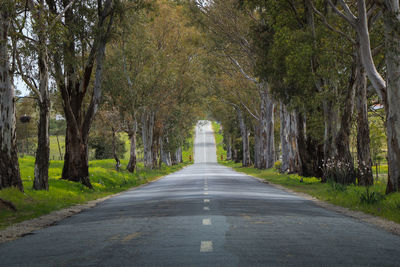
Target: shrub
{"x": 336, "y": 186}
{"x": 371, "y": 197}
{"x": 278, "y": 165}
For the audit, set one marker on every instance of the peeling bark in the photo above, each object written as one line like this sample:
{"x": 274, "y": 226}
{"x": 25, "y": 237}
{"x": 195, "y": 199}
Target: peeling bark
{"x": 9, "y": 167}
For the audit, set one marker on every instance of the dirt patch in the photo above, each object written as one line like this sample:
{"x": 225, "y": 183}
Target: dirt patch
{"x": 382, "y": 223}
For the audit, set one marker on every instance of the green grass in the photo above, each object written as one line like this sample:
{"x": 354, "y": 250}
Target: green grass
{"x": 219, "y": 142}
{"x": 105, "y": 180}
{"x": 385, "y": 206}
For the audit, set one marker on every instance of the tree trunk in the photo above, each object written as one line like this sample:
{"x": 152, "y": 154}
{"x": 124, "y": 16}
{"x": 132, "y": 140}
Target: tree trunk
{"x": 147, "y": 138}
{"x": 42, "y": 160}
{"x": 76, "y": 165}
{"x": 342, "y": 142}
{"x": 229, "y": 148}
{"x": 132, "y": 153}
{"x": 363, "y": 139}
{"x": 284, "y": 134}
{"x": 114, "y": 150}
{"x": 73, "y": 83}
{"x": 257, "y": 146}
{"x": 289, "y": 135}
{"x": 392, "y": 57}
{"x": 245, "y": 139}
{"x": 310, "y": 151}
{"x": 267, "y": 140}
{"x": 165, "y": 154}
{"x": 330, "y": 116}
{"x": 178, "y": 154}
{"x": 59, "y": 148}
{"x": 9, "y": 167}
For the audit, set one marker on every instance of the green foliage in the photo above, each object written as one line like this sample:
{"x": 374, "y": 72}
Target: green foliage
{"x": 371, "y": 197}
{"x": 278, "y": 165}
{"x": 336, "y": 186}
{"x": 102, "y": 144}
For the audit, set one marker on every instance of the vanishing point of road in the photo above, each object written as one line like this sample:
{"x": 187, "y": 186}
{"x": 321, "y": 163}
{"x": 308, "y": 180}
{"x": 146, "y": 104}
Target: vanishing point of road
{"x": 205, "y": 215}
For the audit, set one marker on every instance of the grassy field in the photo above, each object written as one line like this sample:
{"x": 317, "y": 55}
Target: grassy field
{"x": 371, "y": 200}
{"x": 105, "y": 180}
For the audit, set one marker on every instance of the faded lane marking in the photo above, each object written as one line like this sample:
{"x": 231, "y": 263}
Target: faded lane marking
{"x": 206, "y": 246}
{"x": 206, "y": 221}
{"x": 113, "y": 238}
{"x": 206, "y": 200}
{"x": 206, "y": 208}
{"x": 130, "y": 237}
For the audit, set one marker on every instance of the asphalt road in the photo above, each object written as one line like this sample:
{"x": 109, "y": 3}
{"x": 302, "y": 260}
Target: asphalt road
{"x": 205, "y": 215}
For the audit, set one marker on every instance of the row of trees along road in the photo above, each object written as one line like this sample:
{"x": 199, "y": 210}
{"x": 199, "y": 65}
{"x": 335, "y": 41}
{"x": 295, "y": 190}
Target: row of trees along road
{"x": 300, "y": 79}
{"x": 305, "y": 77}
{"x": 133, "y": 63}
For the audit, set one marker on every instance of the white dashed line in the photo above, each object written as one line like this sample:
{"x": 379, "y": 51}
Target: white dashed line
{"x": 206, "y": 246}
{"x": 206, "y": 208}
{"x": 206, "y": 221}
{"x": 206, "y": 200}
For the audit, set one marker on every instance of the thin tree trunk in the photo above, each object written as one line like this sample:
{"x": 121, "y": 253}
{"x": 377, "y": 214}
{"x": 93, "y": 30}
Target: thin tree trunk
{"x": 147, "y": 138}
{"x": 257, "y": 146}
{"x": 229, "y": 148}
{"x": 42, "y": 160}
{"x": 59, "y": 148}
{"x": 267, "y": 140}
{"x": 114, "y": 149}
{"x": 245, "y": 139}
{"x": 284, "y": 134}
{"x": 391, "y": 22}
{"x": 9, "y": 167}
{"x": 132, "y": 153}
{"x": 165, "y": 154}
{"x": 363, "y": 139}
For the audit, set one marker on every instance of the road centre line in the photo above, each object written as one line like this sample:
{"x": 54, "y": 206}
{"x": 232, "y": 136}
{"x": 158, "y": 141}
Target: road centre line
{"x": 206, "y": 246}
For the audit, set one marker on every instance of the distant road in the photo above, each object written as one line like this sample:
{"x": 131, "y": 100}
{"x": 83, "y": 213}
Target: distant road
{"x": 205, "y": 215}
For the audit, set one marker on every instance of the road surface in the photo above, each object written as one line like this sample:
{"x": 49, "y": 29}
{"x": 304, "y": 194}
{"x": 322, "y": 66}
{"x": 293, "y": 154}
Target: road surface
{"x": 205, "y": 215}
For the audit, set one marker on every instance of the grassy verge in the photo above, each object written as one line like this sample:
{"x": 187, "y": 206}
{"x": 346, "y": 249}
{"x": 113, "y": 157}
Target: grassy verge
{"x": 105, "y": 180}
{"x": 372, "y": 200}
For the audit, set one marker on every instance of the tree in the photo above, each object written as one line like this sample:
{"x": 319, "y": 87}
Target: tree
{"x": 73, "y": 79}
{"x": 9, "y": 167}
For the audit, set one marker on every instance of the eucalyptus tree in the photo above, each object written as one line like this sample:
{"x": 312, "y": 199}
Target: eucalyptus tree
{"x": 388, "y": 91}
{"x": 230, "y": 27}
{"x": 9, "y": 167}
{"x": 31, "y": 42}
{"x": 80, "y": 47}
